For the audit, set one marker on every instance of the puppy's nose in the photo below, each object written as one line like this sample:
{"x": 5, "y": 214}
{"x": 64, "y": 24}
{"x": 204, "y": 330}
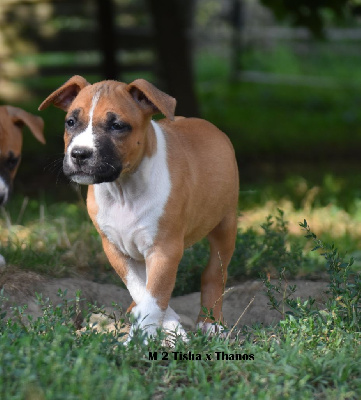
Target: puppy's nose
{"x": 81, "y": 154}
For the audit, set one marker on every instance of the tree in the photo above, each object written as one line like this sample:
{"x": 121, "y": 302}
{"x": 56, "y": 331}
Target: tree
{"x": 309, "y": 13}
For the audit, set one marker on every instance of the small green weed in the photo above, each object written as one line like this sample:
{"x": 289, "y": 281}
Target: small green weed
{"x": 330, "y": 322}
{"x": 344, "y": 283}
{"x": 267, "y": 252}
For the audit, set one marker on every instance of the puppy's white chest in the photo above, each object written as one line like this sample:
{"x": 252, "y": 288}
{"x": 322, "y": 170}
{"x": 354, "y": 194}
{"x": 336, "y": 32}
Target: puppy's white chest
{"x": 129, "y": 209}
{"x": 131, "y": 227}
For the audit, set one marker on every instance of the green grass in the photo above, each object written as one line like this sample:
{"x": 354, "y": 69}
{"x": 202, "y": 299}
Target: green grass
{"x": 59, "y": 364}
{"x": 311, "y": 353}
{"x": 58, "y": 239}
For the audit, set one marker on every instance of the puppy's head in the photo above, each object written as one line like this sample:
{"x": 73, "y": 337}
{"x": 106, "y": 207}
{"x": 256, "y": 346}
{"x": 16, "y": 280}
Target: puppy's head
{"x": 107, "y": 126}
{"x": 12, "y": 119}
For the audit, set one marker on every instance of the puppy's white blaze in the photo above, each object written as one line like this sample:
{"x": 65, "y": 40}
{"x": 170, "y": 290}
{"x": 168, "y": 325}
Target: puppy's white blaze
{"x": 4, "y": 189}
{"x": 85, "y": 138}
{"x": 130, "y": 207}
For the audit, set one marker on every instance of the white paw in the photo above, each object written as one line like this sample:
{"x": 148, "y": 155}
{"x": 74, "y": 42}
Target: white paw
{"x": 172, "y": 326}
{"x": 211, "y": 329}
{"x": 148, "y": 318}
{"x": 2, "y": 262}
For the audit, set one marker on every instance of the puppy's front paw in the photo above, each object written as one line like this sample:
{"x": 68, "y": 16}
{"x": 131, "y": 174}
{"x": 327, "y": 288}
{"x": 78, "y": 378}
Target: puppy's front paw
{"x": 211, "y": 329}
{"x": 168, "y": 321}
{"x": 148, "y": 318}
{"x": 2, "y": 262}
{"x": 172, "y": 327}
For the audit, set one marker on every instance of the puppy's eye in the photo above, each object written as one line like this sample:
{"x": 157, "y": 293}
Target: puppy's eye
{"x": 116, "y": 126}
{"x": 70, "y": 122}
{"x": 12, "y": 162}
{"x": 120, "y": 127}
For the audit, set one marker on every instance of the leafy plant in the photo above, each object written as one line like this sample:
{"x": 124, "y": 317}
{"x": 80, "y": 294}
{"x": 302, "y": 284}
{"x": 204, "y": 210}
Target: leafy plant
{"x": 344, "y": 285}
{"x": 267, "y": 253}
{"x": 342, "y": 308}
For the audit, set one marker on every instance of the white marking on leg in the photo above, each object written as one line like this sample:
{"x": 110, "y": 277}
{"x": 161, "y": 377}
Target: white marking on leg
{"x": 2, "y": 261}
{"x": 148, "y": 316}
{"x": 136, "y": 280}
{"x": 4, "y": 190}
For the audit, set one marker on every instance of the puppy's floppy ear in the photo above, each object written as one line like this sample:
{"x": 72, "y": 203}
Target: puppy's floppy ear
{"x": 151, "y": 99}
{"x": 20, "y": 117}
{"x": 64, "y": 96}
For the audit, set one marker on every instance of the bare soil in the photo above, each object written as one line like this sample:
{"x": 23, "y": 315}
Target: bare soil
{"x": 20, "y": 287}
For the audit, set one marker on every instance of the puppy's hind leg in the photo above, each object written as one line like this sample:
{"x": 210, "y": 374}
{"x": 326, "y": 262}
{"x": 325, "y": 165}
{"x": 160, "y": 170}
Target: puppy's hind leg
{"x": 214, "y": 277}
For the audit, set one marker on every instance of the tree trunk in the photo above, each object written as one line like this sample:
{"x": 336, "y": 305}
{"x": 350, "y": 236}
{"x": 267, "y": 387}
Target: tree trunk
{"x": 172, "y": 23}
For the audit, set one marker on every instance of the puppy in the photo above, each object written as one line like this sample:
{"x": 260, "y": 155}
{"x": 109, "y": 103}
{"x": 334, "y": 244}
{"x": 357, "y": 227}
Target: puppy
{"x": 12, "y": 120}
{"x": 155, "y": 188}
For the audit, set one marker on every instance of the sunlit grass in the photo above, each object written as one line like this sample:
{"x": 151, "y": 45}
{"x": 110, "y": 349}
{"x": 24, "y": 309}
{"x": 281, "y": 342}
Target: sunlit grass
{"x": 59, "y": 239}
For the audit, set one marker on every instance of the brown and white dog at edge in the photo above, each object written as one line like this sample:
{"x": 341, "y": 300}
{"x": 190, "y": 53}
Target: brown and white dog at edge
{"x": 155, "y": 188}
{"x": 12, "y": 120}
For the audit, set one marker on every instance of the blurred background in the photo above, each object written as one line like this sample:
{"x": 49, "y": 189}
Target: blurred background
{"x": 281, "y": 78}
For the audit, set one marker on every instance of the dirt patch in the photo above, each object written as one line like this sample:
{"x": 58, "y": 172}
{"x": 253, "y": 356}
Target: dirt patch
{"x": 20, "y": 287}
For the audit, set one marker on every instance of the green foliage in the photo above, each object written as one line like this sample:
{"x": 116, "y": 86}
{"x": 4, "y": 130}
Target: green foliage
{"x": 268, "y": 252}
{"x": 344, "y": 285}
{"x": 254, "y": 254}
{"x": 284, "y": 120}
{"x": 310, "y": 353}
{"x": 338, "y": 316}
{"x": 308, "y": 13}
{"x": 190, "y": 268}
{"x": 56, "y": 239}
{"x": 49, "y": 359}
{"x": 61, "y": 240}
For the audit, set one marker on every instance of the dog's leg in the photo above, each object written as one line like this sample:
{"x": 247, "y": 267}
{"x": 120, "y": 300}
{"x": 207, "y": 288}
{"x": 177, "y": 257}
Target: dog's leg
{"x": 150, "y": 284}
{"x": 152, "y": 311}
{"x": 117, "y": 260}
{"x": 214, "y": 276}
{"x": 130, "y": 308}
{"x": 132, "y": 273}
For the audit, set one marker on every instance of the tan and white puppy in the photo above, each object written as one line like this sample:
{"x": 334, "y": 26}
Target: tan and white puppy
{"x": 12, "y": 120}
{"x": 155, "y": 189}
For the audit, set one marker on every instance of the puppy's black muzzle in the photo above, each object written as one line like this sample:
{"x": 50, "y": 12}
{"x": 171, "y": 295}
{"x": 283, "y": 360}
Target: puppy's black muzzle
{"x": 84, "y": 164}
{"x": 81, "y": 155}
